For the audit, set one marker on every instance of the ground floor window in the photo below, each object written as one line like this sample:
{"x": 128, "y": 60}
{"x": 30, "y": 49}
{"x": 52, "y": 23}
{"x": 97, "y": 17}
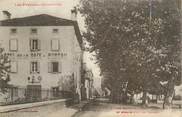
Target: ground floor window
{"x": 33, "y": 92}
{"x": 15, "y": 92}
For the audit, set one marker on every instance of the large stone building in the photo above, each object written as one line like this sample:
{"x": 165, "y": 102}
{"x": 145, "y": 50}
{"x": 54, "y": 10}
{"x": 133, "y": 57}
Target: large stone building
{"x": 45, "y": 52}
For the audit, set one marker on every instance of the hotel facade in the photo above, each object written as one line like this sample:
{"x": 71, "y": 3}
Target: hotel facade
{"x": 45, "y": 52}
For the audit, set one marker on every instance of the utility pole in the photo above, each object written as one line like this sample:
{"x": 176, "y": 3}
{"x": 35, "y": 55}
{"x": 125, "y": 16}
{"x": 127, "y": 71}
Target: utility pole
{"x": 150, "y": 14}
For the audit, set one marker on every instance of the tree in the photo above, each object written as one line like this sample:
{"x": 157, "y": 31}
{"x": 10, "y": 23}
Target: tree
{"x": 135, "y": 48}
{"x": 4, "y": 71}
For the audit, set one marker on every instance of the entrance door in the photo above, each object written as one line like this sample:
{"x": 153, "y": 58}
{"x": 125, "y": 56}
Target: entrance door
{"x": 33, "y": 92}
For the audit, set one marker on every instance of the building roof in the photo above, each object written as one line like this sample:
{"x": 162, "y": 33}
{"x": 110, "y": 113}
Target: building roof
{"x": 37, "y": 20}
{"x": 43, "y": 20}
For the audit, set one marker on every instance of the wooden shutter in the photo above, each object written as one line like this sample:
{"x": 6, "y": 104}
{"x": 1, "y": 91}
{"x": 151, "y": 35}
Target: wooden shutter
{"x": 38, "y": 67}
{"x": 31, "y": 44}
{"x": 60, "y": 67}
{"x": 49, "y": 67}
{"x": 13, "y": 44}
{"x": 30, "y": 67}
{"x": 39, "y": 44}
{"x": 54, "y": 44}
{"x": 59, "y": 44}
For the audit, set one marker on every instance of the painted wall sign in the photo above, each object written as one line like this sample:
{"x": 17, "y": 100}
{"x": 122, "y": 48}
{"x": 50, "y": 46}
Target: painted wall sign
{"x": 39, "y": 55}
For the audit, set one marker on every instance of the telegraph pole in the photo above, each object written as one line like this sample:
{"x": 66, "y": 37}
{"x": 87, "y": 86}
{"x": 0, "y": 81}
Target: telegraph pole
{"x": 150, "y": 14}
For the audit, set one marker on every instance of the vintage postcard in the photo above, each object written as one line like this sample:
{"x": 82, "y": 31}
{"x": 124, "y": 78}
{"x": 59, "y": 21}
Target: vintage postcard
{"x": 90, "y": 58}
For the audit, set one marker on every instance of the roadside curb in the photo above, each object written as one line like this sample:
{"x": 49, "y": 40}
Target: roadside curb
{"x": 4, "y": 109}
{"x": 81, "y": 108}
{"x": 84, "y": 105}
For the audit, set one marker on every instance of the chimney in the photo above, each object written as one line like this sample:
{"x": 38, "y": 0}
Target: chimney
{"x": 74, "y": 14}
{"x": 6, "y": 15}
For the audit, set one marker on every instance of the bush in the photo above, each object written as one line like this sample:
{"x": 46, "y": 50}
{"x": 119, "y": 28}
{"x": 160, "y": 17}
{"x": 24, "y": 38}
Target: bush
{"x": 177, "y": 97}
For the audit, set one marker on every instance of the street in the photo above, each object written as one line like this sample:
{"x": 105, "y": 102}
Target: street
{"x": 104, "y": 109}
{"x": 97, "y": 108}
{"x": 41, "y": 111}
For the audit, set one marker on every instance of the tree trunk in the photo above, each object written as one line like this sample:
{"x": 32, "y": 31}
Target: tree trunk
{"x": 145, "y": 98}
{"x": 124, "y": 97}
{"x": 167, "y": 103}
{"x": 132, "y": 100}
{"x": 115, "y": 94}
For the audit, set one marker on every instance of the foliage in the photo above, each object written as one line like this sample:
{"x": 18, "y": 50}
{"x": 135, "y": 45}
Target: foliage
{"x": 4, "y": 71}
{"x": 132, "y": 47}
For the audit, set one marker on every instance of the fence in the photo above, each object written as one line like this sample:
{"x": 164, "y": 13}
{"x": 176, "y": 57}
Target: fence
{"x": 16, "y": 95}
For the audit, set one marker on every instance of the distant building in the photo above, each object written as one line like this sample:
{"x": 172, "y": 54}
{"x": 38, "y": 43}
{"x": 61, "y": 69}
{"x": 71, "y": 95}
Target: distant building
{"x": 45, "y": 52}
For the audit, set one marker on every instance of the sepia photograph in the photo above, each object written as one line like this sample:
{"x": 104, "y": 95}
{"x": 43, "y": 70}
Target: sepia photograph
{"x": 90, "y": 58}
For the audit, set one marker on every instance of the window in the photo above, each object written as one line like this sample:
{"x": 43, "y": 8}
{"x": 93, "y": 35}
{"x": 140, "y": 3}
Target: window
{"x": 55, "y": 31}
{"x": 54, "y": 67}
{"x": 33, "y": 31}
{"x": 13, "y": 45}
{"x": 35, "y": 67}
{"x": 55, "y": 44}
{"x": 179, "y": 4}
{"x": 55, "y": 91}
{"x": 13, "y": 67}
{"x": 34, "y": 44}
{"x": 13, "y": 31}
{"x": 15, "y": 92}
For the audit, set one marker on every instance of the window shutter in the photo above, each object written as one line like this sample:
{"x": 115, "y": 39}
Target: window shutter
{"x": 49, "y": 67}
{"x": 38, "y": 67}
{"x": 59, "y": 45}
{"x": 16, "y": 44}
{"x": 39, "y": 44}
{"x": 30, "y": 67}
{"x": 51, "y": 45}
{"x": 54, "y": 44}
{"x": 13, "y": 44}
{"x": 31, "y": 44}
{"x": 60, "y": 67}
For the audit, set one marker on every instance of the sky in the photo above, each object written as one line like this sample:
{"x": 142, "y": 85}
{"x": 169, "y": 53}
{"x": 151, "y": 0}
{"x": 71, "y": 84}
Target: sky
{"x": 58, "y": 8}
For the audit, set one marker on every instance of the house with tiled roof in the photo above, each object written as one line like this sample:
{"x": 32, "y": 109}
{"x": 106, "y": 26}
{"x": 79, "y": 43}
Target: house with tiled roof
{"x": 45, "y": 52}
